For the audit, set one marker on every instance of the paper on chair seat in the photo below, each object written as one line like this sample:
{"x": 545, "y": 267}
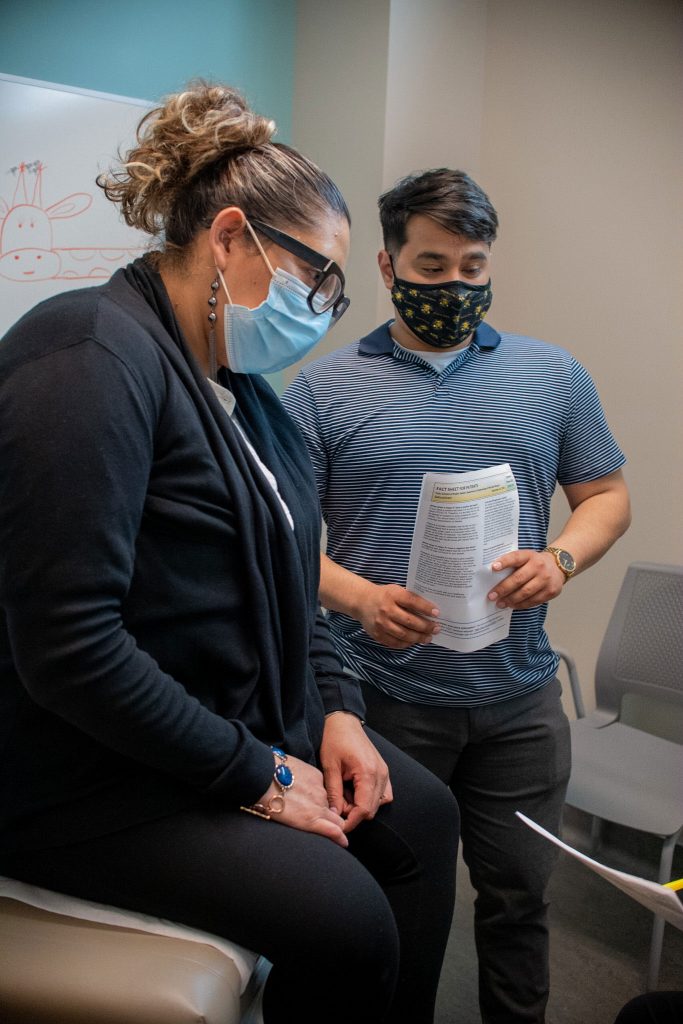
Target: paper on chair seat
{"x": 655, "y": 897}
{"x": 71, "y": 906}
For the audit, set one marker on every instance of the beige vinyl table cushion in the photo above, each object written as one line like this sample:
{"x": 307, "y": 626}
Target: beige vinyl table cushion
{"x": 60, "y": 970}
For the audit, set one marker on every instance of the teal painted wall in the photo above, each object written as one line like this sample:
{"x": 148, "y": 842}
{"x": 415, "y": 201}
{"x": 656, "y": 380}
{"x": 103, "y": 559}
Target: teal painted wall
{"x": 148, "y": 48}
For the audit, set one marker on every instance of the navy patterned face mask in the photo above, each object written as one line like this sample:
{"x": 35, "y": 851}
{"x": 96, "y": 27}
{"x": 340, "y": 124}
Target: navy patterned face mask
{"x": 441, "y": 315}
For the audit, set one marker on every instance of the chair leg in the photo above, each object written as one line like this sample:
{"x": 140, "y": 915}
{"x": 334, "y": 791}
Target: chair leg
{"x": 665, "y": 863}
{"x": 655, "y": 954}
{"x": 596, "y": 833}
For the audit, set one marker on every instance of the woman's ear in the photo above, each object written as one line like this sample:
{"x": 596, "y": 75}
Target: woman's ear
{"x": 385, "y": 268}
{"x": 227, "y": 227}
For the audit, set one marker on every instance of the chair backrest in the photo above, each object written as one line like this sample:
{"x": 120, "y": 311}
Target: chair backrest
{"x": 642, "y": 650}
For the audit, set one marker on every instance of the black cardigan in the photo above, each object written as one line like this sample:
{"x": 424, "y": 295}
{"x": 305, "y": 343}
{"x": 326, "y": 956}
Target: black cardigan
{"x": 160, "y": 622}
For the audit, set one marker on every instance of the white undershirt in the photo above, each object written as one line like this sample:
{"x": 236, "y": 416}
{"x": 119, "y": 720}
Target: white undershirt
{"x": 438, "y": 359}
{"x": 227, "y": 400}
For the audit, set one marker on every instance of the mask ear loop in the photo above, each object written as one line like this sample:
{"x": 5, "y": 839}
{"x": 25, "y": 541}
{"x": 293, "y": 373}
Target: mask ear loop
{"x": 263, "y": 253}
{"x": 213, "y": 361}
{"x": 393, "y": 269}
{"x": 225, "y": 287}
{"x": 261, "y": 249}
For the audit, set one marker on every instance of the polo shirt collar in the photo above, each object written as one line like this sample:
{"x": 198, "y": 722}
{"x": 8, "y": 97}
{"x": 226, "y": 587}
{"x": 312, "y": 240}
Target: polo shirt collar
{"x": 380, "y": 342}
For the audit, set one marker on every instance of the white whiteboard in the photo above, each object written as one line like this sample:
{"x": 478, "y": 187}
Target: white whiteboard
{"x": 57, "y": 229}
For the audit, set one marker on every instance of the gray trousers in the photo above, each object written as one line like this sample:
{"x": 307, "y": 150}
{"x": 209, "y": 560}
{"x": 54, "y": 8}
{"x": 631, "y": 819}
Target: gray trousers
{"x": 497, "y": 759}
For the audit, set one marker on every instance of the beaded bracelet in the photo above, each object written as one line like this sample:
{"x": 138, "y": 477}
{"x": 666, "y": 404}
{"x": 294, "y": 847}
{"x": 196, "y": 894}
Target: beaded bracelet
{"x": 284, "y": 778}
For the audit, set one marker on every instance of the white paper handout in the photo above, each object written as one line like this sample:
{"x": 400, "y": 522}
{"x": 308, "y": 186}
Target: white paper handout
{"x": 464, "y": 522}
{"x": 655, "y": 897}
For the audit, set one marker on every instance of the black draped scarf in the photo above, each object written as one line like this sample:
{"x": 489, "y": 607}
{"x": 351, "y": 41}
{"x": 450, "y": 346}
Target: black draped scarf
{"x": 282, "y": 577}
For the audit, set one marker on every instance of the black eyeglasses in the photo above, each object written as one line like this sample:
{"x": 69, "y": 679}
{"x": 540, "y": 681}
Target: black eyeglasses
{"x": 328, "y": 291}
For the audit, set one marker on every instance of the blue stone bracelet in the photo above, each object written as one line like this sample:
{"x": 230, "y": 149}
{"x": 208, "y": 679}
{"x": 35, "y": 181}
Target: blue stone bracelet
{"x": 282, "y": 774}
{"x": 284, "y": 778}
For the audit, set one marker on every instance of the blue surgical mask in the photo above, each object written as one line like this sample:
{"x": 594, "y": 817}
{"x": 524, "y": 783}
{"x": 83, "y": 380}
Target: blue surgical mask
{"x": 277, "y": 333}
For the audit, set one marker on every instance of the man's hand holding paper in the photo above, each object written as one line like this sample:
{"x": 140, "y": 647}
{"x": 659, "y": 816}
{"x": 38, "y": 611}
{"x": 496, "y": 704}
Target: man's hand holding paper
{"x": 398, "y": 618}
{"x": 532, "y": 579}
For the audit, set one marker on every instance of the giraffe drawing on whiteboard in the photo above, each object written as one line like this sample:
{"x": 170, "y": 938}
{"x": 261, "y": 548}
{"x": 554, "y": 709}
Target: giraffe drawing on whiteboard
{"x": 27, "y": 249}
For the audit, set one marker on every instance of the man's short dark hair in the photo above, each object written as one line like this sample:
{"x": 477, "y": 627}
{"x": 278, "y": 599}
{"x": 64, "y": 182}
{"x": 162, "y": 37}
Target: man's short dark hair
{"x": 449, "y": 197}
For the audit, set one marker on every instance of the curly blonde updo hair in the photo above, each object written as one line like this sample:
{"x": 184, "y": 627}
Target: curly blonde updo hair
{"x": 203, "y": 150}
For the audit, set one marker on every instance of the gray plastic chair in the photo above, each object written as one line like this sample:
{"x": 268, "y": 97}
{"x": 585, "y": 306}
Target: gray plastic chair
{"x": 622, "y": 773}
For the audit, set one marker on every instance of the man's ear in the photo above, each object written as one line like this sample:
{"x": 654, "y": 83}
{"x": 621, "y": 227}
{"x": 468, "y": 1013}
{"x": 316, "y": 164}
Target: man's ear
{"x": 227, "y": 226}
{"x": 385, "y": 268}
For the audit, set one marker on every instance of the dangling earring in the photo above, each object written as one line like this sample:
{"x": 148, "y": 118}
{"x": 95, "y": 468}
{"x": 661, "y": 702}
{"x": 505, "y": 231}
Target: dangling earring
{"x": 213, "y": 361}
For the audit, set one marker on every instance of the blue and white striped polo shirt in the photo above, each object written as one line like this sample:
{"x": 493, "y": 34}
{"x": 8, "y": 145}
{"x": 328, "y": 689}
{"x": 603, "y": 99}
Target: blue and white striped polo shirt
{"x": 377, "y": 417}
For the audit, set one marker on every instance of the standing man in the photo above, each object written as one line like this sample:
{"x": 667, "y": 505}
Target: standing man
{"x": 438, "y": 390}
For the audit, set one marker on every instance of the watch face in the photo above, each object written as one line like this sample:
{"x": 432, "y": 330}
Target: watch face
{"x": 566, "y": 561}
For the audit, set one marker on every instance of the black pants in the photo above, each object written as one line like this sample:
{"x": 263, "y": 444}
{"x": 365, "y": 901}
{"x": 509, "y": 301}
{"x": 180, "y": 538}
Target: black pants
{"x": 498, "y": 758}
{"x": 353, "y": 935}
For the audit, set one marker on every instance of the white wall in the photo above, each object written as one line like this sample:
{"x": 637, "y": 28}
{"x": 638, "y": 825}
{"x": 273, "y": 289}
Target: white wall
{"x": 568, "y": 114}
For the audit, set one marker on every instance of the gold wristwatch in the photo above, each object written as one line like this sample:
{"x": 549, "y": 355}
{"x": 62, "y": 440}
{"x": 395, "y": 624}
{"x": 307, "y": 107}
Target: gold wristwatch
{"x": 565, "y": 561}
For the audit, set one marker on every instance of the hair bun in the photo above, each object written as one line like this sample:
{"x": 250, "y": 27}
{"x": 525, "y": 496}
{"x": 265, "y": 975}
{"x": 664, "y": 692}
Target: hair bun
{"x": 205, "y": 123}
{"x": 204, "y": 150}
{"x": 176, "y": 142}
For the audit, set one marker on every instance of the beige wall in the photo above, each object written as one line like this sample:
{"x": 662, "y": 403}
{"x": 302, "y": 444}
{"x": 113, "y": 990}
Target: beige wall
{"x": 338, "y": 119}
{"x": 582, "y": 152}
{"x": 568, "y": 114}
